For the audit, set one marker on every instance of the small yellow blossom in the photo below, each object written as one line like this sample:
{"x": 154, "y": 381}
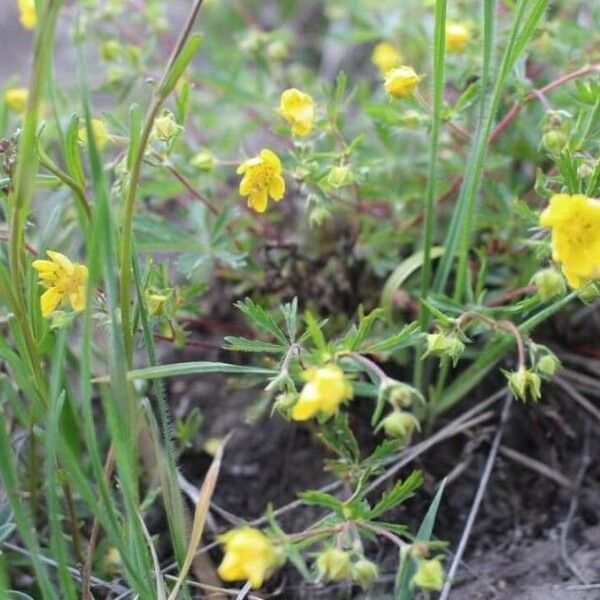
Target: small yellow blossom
{"x": 16, "y": 99}
{"x": 298, "y": 109}
{"x": 458, "y": 37}
{"x": 401, "y": 82}
{"x": 325, "y": 389}
{"x": 575, "y": 224}
{"x": 249, "y": 556}
{"x": 28, "y": 14}
{"x": 63, "y": 280}
{"x": 101, "y": 135}
{"x": 262, "y": 178}
{"x": 386, "y": 57}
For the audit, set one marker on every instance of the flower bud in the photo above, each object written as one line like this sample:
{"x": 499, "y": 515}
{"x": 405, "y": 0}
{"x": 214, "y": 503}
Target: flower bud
{"x": 429, "y": 575}
{"x": 589, "y": 292}
{"x": 524, "y": 384}
{"x": 411, "y": 119}
{"x": 204, "y": 160}
{"x": 400, "y": 425}
{"x": 586, "y": 169}
{"x": 16, "y": 99}
{"x": 458, "y": 37}
{"x": 277, "y": 50}
{"x": 334, "y": 565}
{"x": 156, "y": 303}
{"x": 285, "y": 402}
{"x": 364, "y": 572}
{"x": 444, "y": 345}
{"x": 110, "y": 50}
{"x": 398, "y": 394}
{"x": 318, "y": 217}
{"x": 549, "y": 283}
{"x": 166, "y": 128}
{"x": 554, "y": 141}
{"x": 401, "y": 82}
{"x": 339, "y": 176}
{"x": 548, "y": 364}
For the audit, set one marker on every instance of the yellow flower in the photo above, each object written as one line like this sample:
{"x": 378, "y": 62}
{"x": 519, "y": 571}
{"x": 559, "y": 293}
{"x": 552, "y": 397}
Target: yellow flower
{"x": 298, "y": 109}
{"x": 28, "y": 14}
{"x": 249, "y": 556}
{"x": 262, "y": 178}
{"x": 101, "y": 135}
{"x": 325, "y": 389}
{"x": 401, "y": 82}
{"x": 575, "y": 224}
{"x": 457, "y": 37}
{"x": 386, "y": 57}
{"x": 63, "y": 280}
{"x": 16, "y": 99}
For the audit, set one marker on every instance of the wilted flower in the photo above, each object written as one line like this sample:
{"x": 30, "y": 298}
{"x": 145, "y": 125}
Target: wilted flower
{"x": 386, "y": 57}
{"x": 298, "y": 109}
{"x": 575, "y": 224}
{"x": 203, "y": 160}
{"x": 325, "y": 389}
{"x": 16, "y": 99}
{"x": 401, "y": 82}
{"x": 525, "y": 384}
{"x": 429, "y": 575}
{"x": 249, "y": 556}
{"x": 444, "y": 345}
{"x": 458, "y": 37}
{"x": 63, "y": 279}
{"x": 262, "y": 179}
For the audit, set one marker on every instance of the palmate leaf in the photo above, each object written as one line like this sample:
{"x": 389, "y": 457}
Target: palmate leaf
{"x": 262, "y": 319}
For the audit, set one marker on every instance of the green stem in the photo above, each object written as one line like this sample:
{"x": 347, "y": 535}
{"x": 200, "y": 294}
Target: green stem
{"x": 429, "y": 218}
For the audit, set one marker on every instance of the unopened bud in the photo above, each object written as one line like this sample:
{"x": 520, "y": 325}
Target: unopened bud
{"x": 400, "y": 425}
{"x": 548, "y": 364}
{"x": 364, "y": 572}
{"x": 549, "y": 283}
{"x": 334, "y": 565}
{"x": 204, "y": 160}
{"x": 318, "y": 217}
{"x": 166, "y": 128}
{"x": 444, "y": 345}
{"x": 554, "y": 141}
{"x": 339, "y": 176}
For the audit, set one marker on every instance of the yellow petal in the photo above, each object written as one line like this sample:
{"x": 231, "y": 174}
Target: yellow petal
{"x": 277, "y": 188}
{"x": 231, "y": 569}
{"x": 271, "y": 159}
{"x": 49, "y": 300}
{"x": 61, "y": 260}
{"x": 78, "y": 299}
{"x": 258, "y": 201}
{"x": 43, "y": 266}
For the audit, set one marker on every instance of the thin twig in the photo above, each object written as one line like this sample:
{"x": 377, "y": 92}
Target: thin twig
{"x": 564, "y": 533}
{"x": 478, "y": 498}
{"x": 575, "y": 395}
{"x": 537, "y": 466}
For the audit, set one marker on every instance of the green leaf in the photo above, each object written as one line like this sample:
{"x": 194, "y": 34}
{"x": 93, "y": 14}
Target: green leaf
{"x": 262, "y": 319}
{"x": 401, "y": 491}
{"x": 407, "y": 566}
{"x": 316, "y": 498}
{"x": 406, "y": 337}
{"x": 180, "y": 64}
{"x": 192, "y": 368}
{"x": 242, "y": 344}
{"x": 315, "y": 333}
